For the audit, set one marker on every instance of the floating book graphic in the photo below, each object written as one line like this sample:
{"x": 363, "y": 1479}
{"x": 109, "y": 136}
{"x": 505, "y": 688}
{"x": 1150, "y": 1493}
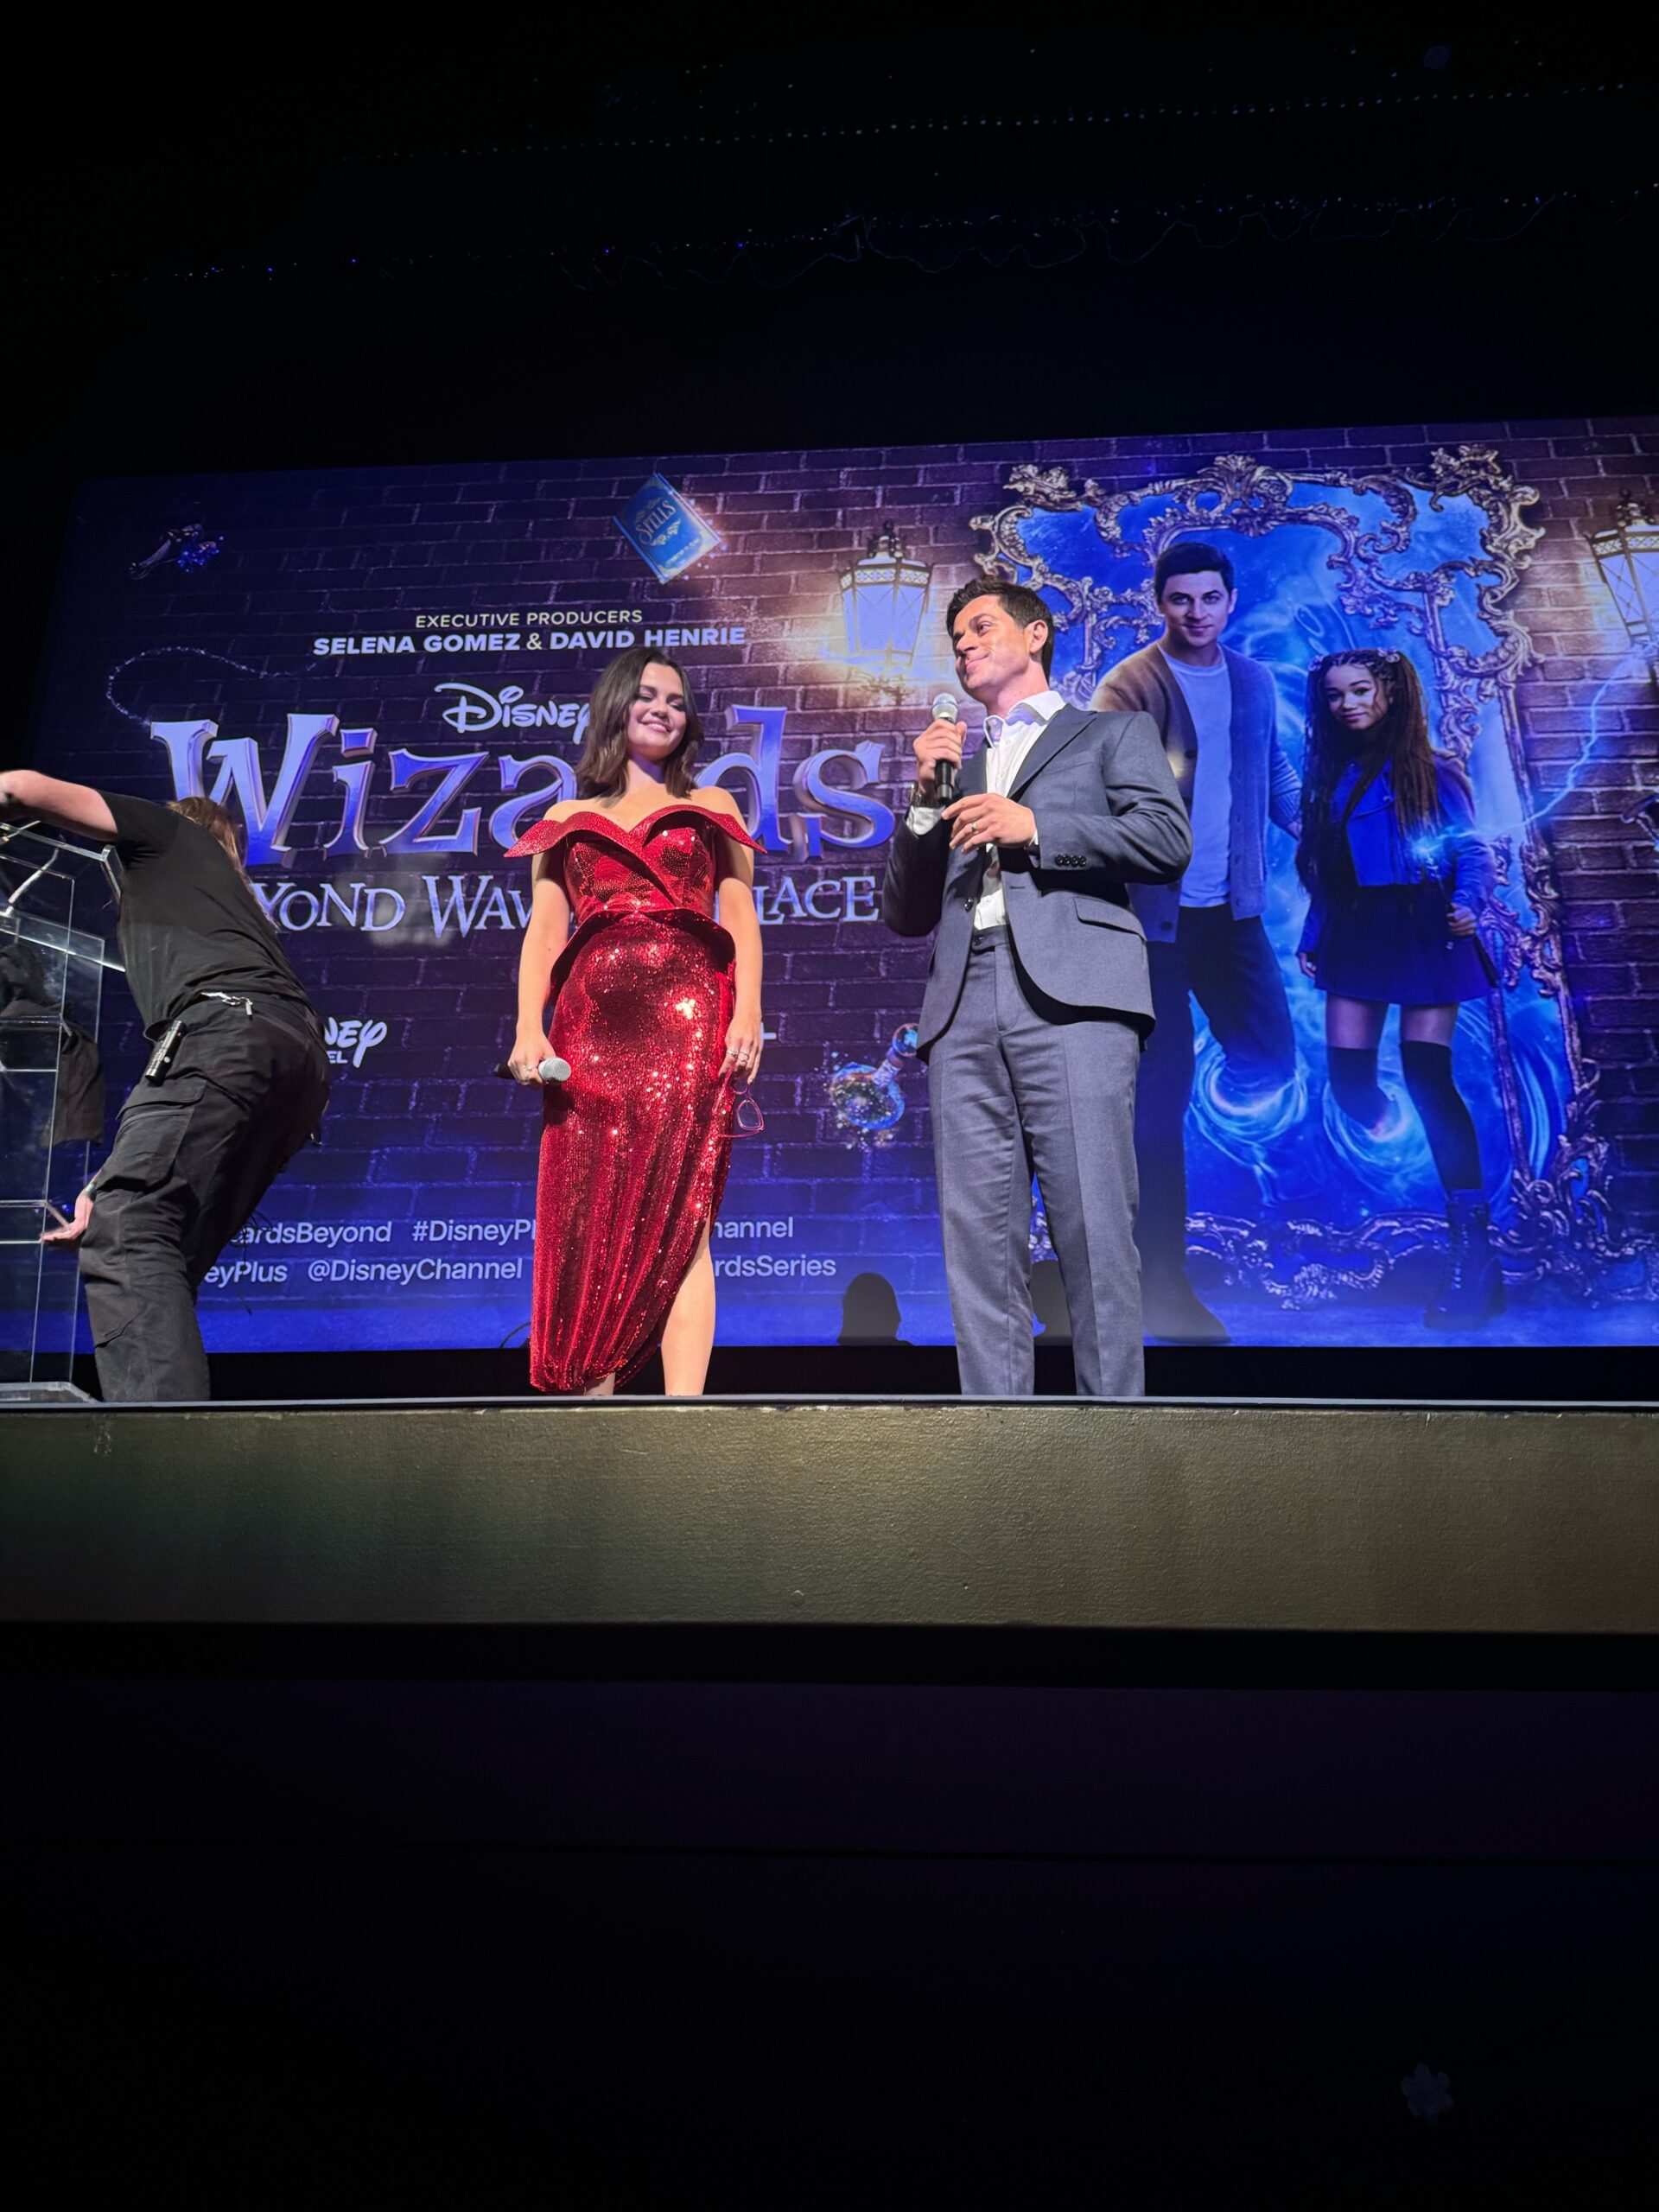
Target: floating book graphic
{"x": 665, "y": 529}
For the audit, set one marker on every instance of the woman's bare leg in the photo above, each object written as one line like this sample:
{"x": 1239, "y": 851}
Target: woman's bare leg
{"x": 607, "y": 1389}
{"x": 690, "y": 1335}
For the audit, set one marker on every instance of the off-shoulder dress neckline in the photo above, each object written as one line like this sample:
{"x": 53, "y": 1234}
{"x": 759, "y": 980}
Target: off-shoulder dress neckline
{"x": 542, "y": 834}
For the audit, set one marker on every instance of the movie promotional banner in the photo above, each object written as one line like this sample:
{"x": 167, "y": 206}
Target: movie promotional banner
{"x": 385, "y": 673}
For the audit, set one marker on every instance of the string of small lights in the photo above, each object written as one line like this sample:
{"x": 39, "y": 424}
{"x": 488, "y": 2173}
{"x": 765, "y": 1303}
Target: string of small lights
{"x": 564, "y": 141}
{"x": 1128, "y": 231}
{"x": 762, "y": 159}
{"x": 1069, "y": 117}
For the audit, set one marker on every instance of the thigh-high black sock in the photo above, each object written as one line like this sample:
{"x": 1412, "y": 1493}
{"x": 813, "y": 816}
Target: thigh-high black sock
{"x": 1446, "y": 1120}
{"x": 1353, "y": 1080}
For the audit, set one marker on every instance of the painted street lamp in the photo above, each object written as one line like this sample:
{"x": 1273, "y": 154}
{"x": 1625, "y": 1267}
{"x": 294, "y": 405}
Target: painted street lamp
{"x": 1627, "y": 553}
{"x": 882, "y": 597}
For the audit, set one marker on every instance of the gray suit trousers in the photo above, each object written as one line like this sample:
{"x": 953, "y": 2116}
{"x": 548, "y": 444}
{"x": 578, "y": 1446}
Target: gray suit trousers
{"x": 1019, "y": 1084}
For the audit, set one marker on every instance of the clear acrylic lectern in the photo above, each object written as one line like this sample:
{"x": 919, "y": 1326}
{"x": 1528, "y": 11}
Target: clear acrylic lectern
{"x": 57, "y": 924}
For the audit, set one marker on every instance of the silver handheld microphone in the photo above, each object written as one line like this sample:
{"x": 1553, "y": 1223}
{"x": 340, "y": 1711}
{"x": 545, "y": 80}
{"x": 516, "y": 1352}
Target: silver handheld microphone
{"x": 945, "y": 710}
{"x": 551, "y": 1069}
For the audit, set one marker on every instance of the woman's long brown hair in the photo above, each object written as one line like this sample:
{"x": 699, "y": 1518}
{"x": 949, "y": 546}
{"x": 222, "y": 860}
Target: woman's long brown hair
{"x": 602, "y": 771}
{"x": 1400, "y": 743}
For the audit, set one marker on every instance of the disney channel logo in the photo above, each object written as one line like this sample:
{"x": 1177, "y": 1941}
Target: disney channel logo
{"x": 356, "y": 1037}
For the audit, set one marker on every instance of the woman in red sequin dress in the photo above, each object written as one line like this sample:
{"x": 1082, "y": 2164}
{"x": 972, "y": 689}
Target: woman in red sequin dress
{"x": 656, "y": 1005}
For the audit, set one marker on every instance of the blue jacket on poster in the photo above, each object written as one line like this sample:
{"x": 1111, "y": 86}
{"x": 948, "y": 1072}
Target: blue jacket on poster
{"x": 1453, "y": 854}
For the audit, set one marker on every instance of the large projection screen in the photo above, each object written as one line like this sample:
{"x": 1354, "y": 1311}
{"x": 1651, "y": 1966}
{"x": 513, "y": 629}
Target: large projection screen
{"x": 384, "y": 671}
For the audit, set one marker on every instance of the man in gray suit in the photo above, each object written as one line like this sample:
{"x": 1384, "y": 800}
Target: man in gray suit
{"x": 1218, "y": 717}
{"x": 1038, "y": 1000}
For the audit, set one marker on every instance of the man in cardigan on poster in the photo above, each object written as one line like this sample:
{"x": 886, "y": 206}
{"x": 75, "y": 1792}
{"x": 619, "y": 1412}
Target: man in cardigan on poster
{"x": 1217, "y": 716}
{"x": 1036, "y": 999}
{"x": 236, "y": 1080}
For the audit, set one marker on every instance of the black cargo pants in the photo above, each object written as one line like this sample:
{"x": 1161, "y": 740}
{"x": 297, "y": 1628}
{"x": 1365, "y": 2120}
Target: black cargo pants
{"x": 196, "y": 1150}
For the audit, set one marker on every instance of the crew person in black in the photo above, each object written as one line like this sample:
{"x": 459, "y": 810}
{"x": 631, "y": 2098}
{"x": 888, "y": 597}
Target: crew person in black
{"x": 236, "y": 1082}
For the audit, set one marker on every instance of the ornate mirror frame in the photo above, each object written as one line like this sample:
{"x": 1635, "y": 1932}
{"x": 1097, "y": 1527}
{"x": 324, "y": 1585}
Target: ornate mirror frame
{"x": 1560, "y": 1225}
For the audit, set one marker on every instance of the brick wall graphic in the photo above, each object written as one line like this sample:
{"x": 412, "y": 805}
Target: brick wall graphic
{"x": 386, "y": 672}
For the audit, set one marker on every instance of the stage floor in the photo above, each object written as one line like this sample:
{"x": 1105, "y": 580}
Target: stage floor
{"x": 885, "y": 1514}
{"x": 881, "y": 1758}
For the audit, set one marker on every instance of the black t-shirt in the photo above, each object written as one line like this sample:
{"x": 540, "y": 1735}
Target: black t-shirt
{"x": 188, "y": 921}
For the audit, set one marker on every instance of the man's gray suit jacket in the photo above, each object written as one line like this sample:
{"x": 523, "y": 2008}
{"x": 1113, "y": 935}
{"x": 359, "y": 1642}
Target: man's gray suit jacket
{"x": 1108, "y": 815}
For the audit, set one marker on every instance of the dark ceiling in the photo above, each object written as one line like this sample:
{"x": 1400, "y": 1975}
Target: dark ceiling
{"x": 415, "y": 158}
{"x": 368, "y": 245}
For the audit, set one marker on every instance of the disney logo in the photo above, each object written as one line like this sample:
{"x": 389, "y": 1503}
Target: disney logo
{"x": 355, "y": 1037}
{"x": 508, "y": 709}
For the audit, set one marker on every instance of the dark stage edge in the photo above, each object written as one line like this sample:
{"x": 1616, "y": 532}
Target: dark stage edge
{"x": 1056, "y": 1517}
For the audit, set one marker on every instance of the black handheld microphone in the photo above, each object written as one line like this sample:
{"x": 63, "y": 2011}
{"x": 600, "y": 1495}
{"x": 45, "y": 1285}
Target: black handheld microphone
{"x": 945, "y": 771}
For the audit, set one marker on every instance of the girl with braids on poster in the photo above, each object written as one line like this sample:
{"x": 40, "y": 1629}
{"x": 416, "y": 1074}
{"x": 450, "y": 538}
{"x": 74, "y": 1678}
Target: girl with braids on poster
{"x": 656, "y": 1006}
{"x": 1396, "y": 876}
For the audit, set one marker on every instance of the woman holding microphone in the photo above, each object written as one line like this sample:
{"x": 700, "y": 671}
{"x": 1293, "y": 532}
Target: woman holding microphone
{"x": 643, "y": 937}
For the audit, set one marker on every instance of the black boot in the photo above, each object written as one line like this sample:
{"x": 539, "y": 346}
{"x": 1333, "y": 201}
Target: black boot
{"x": 1472, "y": 1292}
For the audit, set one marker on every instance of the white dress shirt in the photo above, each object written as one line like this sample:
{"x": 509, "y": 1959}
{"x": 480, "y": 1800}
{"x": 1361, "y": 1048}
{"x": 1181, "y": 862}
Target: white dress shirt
{"x": 1009, "y": 738}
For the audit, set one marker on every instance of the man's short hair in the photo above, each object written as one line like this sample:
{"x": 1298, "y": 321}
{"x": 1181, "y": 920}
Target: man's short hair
{"x": 1189, "y": 556}
{"x": 1021, "y": 602}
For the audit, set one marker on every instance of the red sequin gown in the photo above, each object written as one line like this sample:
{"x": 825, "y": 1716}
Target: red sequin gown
{"x": 636, "y": 1145}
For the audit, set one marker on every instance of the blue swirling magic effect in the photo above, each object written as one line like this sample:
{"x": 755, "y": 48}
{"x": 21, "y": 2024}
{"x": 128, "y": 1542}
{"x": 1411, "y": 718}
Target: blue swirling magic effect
{"x": 1388, "y": 1158}
{"x": 1246, "y": 1126}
